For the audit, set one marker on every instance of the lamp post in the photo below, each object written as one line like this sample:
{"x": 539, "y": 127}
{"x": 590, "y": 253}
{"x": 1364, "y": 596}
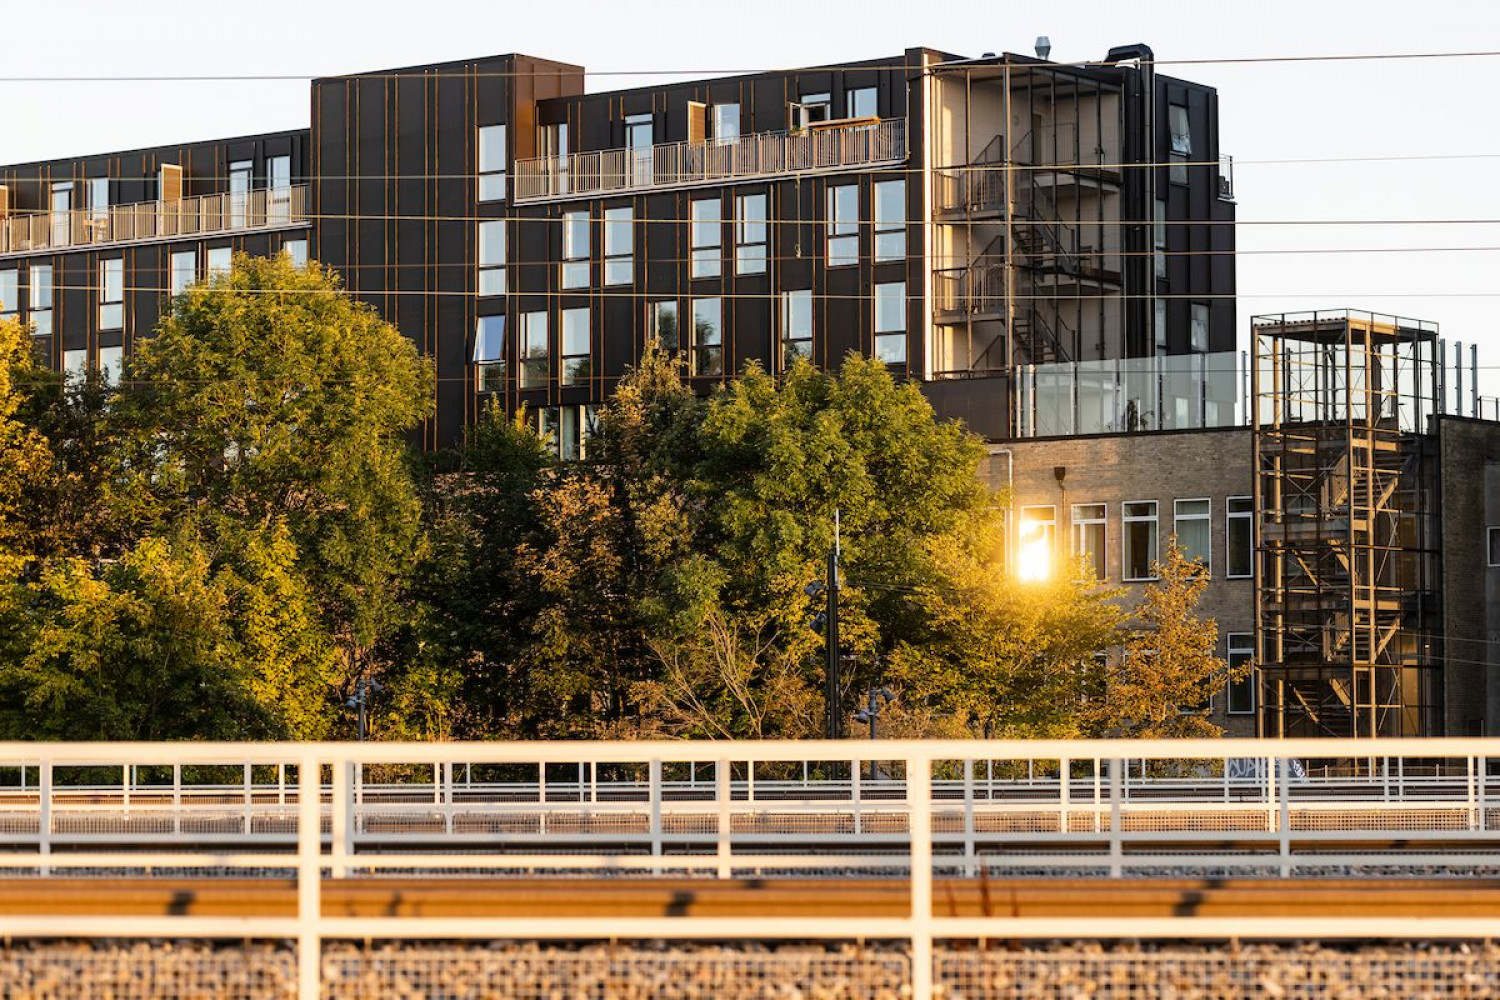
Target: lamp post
{"x": 360, "y": 700}
{"x": 878, "y": 698}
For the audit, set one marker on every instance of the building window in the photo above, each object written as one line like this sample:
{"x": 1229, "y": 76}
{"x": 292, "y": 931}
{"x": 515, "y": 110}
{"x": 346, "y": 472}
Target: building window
{"x": 492, "y": 163}
{"x": 1182, "y": 136}
{"x": 1089, "y": 537}
{"x": 10, "y": 294}
{"x": 575, "y": 346}
{"x": 1037, "y": 542}
{"x": 184, "y": 264}
{"x": 297, "y": 250}
{"x": 1241, "y": 649}
{"x": 98, "y": 194}
{"x": 76, "y": 365}
{"x": 619, "y": 246}
{"x": 860, "y": 103}
{"x": 843, "y": 225}
{"x": 1492, "y": 535}
{"x": 661, "y": 320}
{"x": 890, "y": 221}
{"x": 707, "y": 236}
{"x": 1138, "y": 540}
{"x": 552, "y": 144}
{"x": 796, "y": 326}
{"x": 812, "y": 108}
{"x": 750, "y": 234}
{"x": 489, "y": 353}
{"x": 890, "y": 322}
{"x": 576, "y": 425}
{"x": 1199, "y": 328}
{"x": 1191, "y": 523}
{"x": 639, "y": 136}
{"x": 575, "y": 262}
{"x": 546, "y": 429}
{"x": 62, "y": 213}
{"x": 241, "y": 173}
{"x": 1239, "y": 537}
{"x": 40, "y": 291}
{"x": 492, "y": 257}
{"x": 1159, "y": 326}
{"x": 1159, "y": 229}
{"x": 279, "y": 189}
{"x": 220, "y": 260}
{"x": 111, "y": 294}
{"x": 111, "y": 363}
{"x": 708, "y": 337}
{"x": 726, "y": 122}
{"x": 534, "y": 350}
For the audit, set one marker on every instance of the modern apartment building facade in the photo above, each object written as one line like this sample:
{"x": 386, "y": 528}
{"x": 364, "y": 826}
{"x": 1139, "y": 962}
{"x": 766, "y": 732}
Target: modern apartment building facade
{"x": 958, "y": 218}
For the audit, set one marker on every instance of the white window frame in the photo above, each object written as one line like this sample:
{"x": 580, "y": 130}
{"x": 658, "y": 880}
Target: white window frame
{"x": 706, "y": 237}
{"x": 813, "y": 108}
{"x": 490, "y": 176}
{"x": 751, "y": 234}
{"x": 1230, "y": 517}
{"x": 719, "y": 124}
{"x": 534, "y": 350}
{"x": 575, "y": 348}
{"x": 1080, "y": 523}
{"x": 841, "y": 233}
{"x": 1207, "y": 519}
{"x": 576, "y": 249}
{"x": 1126, "y": 520}
{"x": 39, "y": 296}
{"x": 491, "y": 252}
{"x": 1245, "y": 646}
{"x": 619, "y": 245}
{"x": 111, "y": 311}
{"x": 790, "y": 300}
{"x": 1026, "y": 524}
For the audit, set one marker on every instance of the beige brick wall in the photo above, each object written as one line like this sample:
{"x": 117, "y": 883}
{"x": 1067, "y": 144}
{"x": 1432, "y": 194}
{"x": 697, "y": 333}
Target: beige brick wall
{"x": 1164, "y": 467}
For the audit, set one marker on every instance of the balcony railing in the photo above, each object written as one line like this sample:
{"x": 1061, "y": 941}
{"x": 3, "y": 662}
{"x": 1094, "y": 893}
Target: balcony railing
{"x": 679, "y": 164}
{"x": 205, "y": 215}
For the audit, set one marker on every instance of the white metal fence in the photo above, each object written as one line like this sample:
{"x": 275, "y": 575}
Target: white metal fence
{"x": 715, "y": 810}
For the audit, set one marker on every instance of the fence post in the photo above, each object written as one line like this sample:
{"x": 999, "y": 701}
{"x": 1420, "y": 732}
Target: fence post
{"x": 969, "y": 816}
{"x": 44, "y": 819}
{"x": 655, "y": 807}
{"x": 341, "y": 808}
{"x": 855, "y": 792}
{"x": 1483, "y": 769}
{"x": 919, "y": 824}
{"x": 1284, "y": 765}
{"x": 177, "y": 798}
{"x": 309, "y": 877}
{"x": 722, "y": 798}
{"x": 1064, "y": 793}
{"x": 247, "y": 790}
{"x": 1116, "y": 791}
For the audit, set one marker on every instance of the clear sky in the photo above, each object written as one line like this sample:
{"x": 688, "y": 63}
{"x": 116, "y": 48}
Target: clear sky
{"x": 1287, "y": 111}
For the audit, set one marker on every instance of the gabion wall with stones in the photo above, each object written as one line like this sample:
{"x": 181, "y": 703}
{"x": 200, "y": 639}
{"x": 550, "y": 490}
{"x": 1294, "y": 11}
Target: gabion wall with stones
{"x": 137, "y": 970}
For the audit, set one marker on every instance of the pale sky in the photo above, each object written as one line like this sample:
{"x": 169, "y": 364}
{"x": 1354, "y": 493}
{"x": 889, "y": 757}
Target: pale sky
{"x": 1279, "y": 111}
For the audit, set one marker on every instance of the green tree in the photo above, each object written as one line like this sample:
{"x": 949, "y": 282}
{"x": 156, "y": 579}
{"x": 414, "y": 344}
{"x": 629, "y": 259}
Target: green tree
{"x": 1169, "y": 673}
{"x": 24, "y": 457}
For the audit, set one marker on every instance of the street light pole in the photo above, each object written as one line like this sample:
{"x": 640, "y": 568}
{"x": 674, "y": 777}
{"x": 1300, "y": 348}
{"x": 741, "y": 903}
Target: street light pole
{"x": 835, "y": 710}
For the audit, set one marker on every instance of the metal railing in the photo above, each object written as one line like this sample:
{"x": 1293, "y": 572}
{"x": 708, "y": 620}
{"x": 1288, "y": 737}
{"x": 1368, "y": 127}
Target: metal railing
{"x": 719, "y": 810}
{"x": 679, "y": 164}
{"x": 203, "y": 215}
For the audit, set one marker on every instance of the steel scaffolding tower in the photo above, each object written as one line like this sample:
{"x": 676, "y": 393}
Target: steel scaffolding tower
{"x": 1346, "y": 595}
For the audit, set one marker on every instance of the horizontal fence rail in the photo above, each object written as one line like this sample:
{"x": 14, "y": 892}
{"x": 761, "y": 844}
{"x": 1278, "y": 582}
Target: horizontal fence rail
{"x": 203, "y": 215}
{"x": 678, "y": 164}
{"x": 855, "y": 809}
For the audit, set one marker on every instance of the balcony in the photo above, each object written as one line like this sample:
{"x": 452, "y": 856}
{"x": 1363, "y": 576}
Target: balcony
{"x": 821, "y": 149}
{"x": 205, "y": 215}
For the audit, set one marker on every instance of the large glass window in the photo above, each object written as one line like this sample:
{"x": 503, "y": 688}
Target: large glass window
{"x": 111, "y": 363}
{"x": 1241, "y": 649}
{"x": 297, "y": 251}
{"x": 1037, "y": 542}
{"x": 184, "y": 271}
{"x": 10, "y": 293}
{"x": 1159, "y": 236}
{"x": 575, "y": 346}
{"x": 111, "y": 294}
{"x": 639, "y": 136}
{"x": 575, "y": 263}
{"x": 76, "y": 365}
{"x": 1182, "y": 135}
{"x": 492, "y": 257}
{"x": 843, "y": 225}
{"x": 1138, "y": 538}
{"x": 534, "y": 352}
{"x": 890, "y": 221}
{"x": 890, "y": 322}
{"x": 726, "y": 122}
{"x": 40, "y": 291}
{"x": 661, "y": 321}
{"x": 1199, "y": 338}
{"x": 1192, "y": 525}
{"x": 492, "y": 163}
{"x": 62, "y": 213}
{"x": 707, "y": 236}
{"x": 279, "y": 188}
{"x": 750, "y": 234}
{"x": 860, "y": 102}
{"x": 220, "y": 260}
{"x": 241, "y": 174}
{"x": 1089, "y": 538}
{"x": 796, "y": 326}
{"x": 576, "y": 425}
{"x": 1159, "y": 325}
{"x": 708, "y": 337}
{"x": 1239, "y": 537}
{"x": 619, "y": 246}
{"x": 98, "y": 192}
{"x": 489, "y": 353}
{"x": 813, "y": 108}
